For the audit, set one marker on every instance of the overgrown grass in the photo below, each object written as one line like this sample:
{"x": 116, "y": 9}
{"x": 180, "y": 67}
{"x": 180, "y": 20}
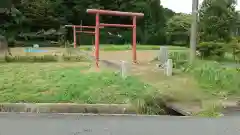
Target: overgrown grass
{"x": 128, "y": 47}
{"x": 216, "y": 79}
{"x": 74, "y": 83}
{"x": 212, "y": 76}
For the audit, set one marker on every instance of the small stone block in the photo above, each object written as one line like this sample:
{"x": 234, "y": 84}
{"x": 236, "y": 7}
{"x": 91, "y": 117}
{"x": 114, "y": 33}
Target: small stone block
{"x": 169, "y": 67}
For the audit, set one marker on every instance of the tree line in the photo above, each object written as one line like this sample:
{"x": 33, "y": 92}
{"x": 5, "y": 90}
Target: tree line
{"x": 43, "y": 20}
{"x": 30, "y": 19}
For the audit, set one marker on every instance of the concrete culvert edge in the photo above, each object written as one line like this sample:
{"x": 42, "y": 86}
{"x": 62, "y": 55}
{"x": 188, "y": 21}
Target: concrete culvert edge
{"x": 76, "y": 108}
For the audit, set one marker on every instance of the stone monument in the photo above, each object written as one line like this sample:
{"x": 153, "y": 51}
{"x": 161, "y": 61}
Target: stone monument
{"x": 124, "y": 69}
{"x": 163, "y": 56}
{"x": 168, "y": 67}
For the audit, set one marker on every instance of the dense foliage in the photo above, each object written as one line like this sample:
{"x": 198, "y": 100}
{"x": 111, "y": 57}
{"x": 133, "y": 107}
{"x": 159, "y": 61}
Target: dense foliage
{"x": 219, "y": 25}
{"x": 217, "y": 18}
{"x": 178, "y": 29}
{"x": 43, "y": 19}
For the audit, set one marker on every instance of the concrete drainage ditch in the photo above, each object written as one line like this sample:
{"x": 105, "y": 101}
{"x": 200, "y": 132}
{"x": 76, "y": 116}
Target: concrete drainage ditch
{"x": 81, "y": 108}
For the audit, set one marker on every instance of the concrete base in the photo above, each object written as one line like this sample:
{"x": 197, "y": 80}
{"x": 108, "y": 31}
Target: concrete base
{"x": 68, "y": 108}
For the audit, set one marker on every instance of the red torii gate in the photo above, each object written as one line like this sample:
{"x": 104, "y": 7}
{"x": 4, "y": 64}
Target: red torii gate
{"x": 80, "y": 31}
{"x": 134, "y": 16}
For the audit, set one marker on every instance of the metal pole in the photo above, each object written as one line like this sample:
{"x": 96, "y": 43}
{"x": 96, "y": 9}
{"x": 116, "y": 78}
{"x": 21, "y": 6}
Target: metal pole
{"x": 79, "y": 35}
{"x": 74, "y": 37}
{"x": 193, "y": 38}
{"x": 134, "y": 39}
{"x": 97, "y": 40}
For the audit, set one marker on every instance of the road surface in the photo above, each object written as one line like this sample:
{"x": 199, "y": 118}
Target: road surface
{"x": 76, "y": 124}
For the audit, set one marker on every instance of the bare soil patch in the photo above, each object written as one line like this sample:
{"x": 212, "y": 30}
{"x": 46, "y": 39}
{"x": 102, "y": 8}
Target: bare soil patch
{"x": 142, "y": 56}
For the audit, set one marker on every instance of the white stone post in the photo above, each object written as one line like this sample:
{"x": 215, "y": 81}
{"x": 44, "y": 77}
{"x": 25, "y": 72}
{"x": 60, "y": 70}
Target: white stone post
{"x": 124, "y": 69}
{"x": 169, "y": 67}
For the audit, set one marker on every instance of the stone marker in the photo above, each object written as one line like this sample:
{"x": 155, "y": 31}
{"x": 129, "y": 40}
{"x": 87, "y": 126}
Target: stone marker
{"x": 35, "y": 46}
{"x": 163, "y": 55}
{"x": 168, "y": 68}
{"x": 124, "y": 69}
{"x": 60, "y": 56}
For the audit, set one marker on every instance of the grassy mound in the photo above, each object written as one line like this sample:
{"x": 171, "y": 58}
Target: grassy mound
{"x": 72, "y": 83}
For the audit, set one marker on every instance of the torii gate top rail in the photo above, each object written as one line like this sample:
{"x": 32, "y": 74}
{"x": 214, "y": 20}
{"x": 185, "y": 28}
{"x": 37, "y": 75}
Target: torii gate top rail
{"x": 115, "y": 13}
{"x": 82, "y": 26}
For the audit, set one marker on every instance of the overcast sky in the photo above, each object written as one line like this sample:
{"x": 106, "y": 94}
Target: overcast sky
{"x": 184, "y": 6}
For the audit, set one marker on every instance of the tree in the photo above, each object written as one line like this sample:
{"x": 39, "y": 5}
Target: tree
{"x": 217, "y": 19}
{"x": 43, "y": 15}
{"x": 39, "y": 14}
{"x": 237, "y": 24}
{"x": 5, "y": 4}
{"x": 11, "y": 20}
{"x": 178, "y": 29}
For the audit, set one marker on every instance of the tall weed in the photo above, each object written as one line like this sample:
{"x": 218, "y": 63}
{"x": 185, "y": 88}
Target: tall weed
{"x": 211, "y": 75}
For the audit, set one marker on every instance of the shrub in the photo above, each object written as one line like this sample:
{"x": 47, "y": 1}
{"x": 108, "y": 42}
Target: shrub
{"x": 45, "y": 58}
{"x": 74, "y": 58}
{"x": 211, "y": 49}
{"x": 235, "y": 48}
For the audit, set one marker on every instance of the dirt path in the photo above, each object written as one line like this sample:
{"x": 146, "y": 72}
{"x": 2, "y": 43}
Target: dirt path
{"x": 142, "y": 56}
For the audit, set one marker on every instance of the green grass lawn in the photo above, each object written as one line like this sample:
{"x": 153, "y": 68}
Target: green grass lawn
{"x": 106, "y": 47}
{"x": 67, "y": 82}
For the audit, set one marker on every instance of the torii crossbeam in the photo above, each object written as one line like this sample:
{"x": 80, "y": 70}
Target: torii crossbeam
{"x": 80, "y": 31}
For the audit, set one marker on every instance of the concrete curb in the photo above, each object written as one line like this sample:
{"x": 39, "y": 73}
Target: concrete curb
{"x": 229, "y": 107}
{"x": 230, "y": 104}
{"x": 68, "y": 108}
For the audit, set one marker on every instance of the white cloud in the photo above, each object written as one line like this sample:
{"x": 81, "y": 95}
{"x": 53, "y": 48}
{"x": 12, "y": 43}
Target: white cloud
{"x": 184, "y": 6}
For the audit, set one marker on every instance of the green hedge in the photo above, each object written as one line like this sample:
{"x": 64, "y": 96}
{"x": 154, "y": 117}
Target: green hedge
{"x": 211, "y": 49}
{"x": 45, "y": 58}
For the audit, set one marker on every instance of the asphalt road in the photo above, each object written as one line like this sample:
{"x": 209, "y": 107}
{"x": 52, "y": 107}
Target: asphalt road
{"x": 56, "y": 124}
